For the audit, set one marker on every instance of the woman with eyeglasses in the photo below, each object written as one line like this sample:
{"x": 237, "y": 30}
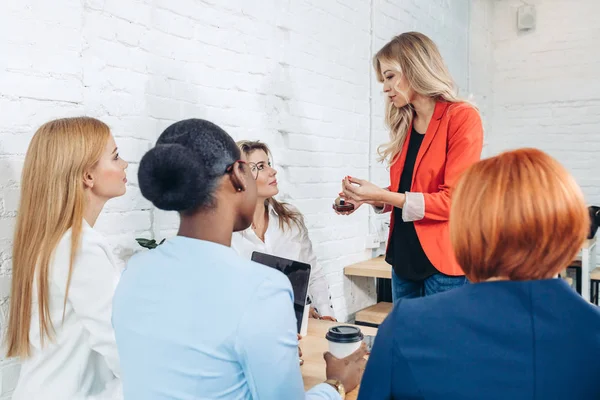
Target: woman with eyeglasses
{"x": 192, "y": 318}
{"x": 278, "y": 228}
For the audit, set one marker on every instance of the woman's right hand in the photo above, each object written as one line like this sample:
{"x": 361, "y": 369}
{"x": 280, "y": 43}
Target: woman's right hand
{"x": 347, "y": 370}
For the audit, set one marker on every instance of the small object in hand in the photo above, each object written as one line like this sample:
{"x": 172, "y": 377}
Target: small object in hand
{"x": 341, "y": 205}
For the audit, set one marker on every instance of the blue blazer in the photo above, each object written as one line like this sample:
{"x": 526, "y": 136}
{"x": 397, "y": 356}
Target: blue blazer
{"x": 494, "y": 340}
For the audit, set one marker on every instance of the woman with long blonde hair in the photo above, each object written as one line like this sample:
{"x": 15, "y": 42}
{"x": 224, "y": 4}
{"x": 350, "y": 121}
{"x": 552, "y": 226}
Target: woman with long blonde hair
{"x": 434, "y": 137}
{"x": 64, "y": 274}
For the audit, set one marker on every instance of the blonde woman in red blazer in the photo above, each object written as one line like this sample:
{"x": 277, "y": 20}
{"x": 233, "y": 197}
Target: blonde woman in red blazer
{"x": 434, "y": 137}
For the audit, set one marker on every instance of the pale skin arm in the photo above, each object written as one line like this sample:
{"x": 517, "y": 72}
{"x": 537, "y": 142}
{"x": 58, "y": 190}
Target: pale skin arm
{"x": 359, "y": 191}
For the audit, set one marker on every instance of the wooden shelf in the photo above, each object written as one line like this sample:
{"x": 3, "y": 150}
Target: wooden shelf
{"x": 374, "y": 268}
{"x": 374, "y": 315}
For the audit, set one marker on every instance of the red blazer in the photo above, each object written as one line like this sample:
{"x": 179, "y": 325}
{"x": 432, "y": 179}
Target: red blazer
{"x": 453, "y": 142}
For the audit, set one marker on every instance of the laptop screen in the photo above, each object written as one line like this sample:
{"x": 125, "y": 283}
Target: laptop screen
{"x": 297, "y": 272}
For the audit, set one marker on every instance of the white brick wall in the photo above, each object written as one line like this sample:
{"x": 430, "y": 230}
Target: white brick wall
{"x": 546, "y": 86}
{"x": 294, "y": 73}
{"x": 481, "y": 65}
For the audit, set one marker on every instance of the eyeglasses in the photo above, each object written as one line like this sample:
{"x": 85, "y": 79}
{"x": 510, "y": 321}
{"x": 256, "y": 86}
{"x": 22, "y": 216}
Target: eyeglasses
{"x": 255, "y": 168}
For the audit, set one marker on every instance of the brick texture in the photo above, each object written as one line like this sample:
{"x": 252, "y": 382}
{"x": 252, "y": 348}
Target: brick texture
{"x": 546, "y": 87}
{"x": 294, "y": 73}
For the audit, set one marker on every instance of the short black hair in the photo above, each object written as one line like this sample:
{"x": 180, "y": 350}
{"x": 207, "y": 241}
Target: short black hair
{"x": 182, "y": 171}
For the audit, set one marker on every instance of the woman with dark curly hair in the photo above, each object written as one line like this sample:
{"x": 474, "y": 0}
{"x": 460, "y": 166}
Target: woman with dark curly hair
{"x": 192, "y": 318}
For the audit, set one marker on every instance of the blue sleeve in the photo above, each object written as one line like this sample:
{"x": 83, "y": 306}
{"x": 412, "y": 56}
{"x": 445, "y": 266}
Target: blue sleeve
{"x": 376, "y": 383}
{"x": 388, "y": 375}
{"x": 268, "y": 346}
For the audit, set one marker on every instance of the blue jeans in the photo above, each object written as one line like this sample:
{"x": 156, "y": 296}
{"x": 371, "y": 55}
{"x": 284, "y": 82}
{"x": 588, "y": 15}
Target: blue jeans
{"x": 437, "y": 283}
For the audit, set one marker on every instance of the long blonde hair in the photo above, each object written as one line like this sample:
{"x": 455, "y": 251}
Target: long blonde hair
{"x": 416, "y": 57}
{"x": 287, "y": 215}
{"x": 52, "y": 202}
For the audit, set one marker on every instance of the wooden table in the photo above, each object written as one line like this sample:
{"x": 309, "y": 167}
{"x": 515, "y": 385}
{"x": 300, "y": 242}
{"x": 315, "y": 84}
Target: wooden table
{"x": 313, "y": 346}
{"x": 374, "y": 268}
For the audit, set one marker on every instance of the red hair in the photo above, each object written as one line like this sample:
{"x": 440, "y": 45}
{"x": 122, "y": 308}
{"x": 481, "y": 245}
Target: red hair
{"x": 519, "y": 215}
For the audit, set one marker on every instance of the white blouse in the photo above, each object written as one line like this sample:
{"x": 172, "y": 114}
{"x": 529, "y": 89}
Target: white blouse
{"x": 292, "y": 243}
{"x": 81, "y": 362}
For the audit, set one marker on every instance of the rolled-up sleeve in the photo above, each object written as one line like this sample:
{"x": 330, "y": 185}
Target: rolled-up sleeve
{"x": 414, "y": 207}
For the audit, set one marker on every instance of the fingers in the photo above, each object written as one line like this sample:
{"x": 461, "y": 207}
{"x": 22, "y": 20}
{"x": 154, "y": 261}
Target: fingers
{"x": 355, "y": 180}
{"x": 347, "y": 186}
{"x": 313, "y": 313}
{"x": 342, "y": 212}
{"x": 348, "y": 190}
{"x": 350, "y": 193}
{"x": 362, "y": 364}
{"x": 358, "y": 354}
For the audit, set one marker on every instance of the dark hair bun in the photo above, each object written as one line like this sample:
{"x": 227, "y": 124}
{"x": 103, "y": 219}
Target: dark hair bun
{"x": 183, "y": 170}
{"x": 172, "y": 178}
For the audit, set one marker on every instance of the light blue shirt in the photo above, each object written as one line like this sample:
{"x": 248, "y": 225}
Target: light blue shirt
{"x": 193, "y": 320}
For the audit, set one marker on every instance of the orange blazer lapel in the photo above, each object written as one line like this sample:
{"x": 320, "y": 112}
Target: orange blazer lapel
{"x": 434, "y": 124}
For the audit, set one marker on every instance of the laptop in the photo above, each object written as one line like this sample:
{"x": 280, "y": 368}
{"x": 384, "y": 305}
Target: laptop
{"x": 299, "y": 275}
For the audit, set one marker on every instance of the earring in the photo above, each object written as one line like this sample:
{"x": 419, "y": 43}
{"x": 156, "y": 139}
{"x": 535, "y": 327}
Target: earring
{"x": 239, "y": 189}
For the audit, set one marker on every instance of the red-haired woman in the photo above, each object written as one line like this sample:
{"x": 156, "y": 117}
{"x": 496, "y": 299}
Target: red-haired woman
{"x": 516, "y": 220}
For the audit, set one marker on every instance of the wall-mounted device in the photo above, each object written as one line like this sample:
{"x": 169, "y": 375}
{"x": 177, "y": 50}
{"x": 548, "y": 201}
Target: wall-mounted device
{"x": 526, "y": 18}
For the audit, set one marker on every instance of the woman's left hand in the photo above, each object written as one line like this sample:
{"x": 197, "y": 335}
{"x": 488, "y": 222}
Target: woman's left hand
{"x": 360, "y": 190}
{"x": 314, "y": 314}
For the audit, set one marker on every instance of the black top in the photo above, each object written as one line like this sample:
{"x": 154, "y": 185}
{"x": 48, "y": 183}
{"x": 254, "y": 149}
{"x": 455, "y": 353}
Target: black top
{"x": 405, "y": 253}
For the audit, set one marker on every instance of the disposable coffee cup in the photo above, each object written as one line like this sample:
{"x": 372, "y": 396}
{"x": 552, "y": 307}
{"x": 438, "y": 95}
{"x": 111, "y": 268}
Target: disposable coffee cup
{"x": 344, "y": 340}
